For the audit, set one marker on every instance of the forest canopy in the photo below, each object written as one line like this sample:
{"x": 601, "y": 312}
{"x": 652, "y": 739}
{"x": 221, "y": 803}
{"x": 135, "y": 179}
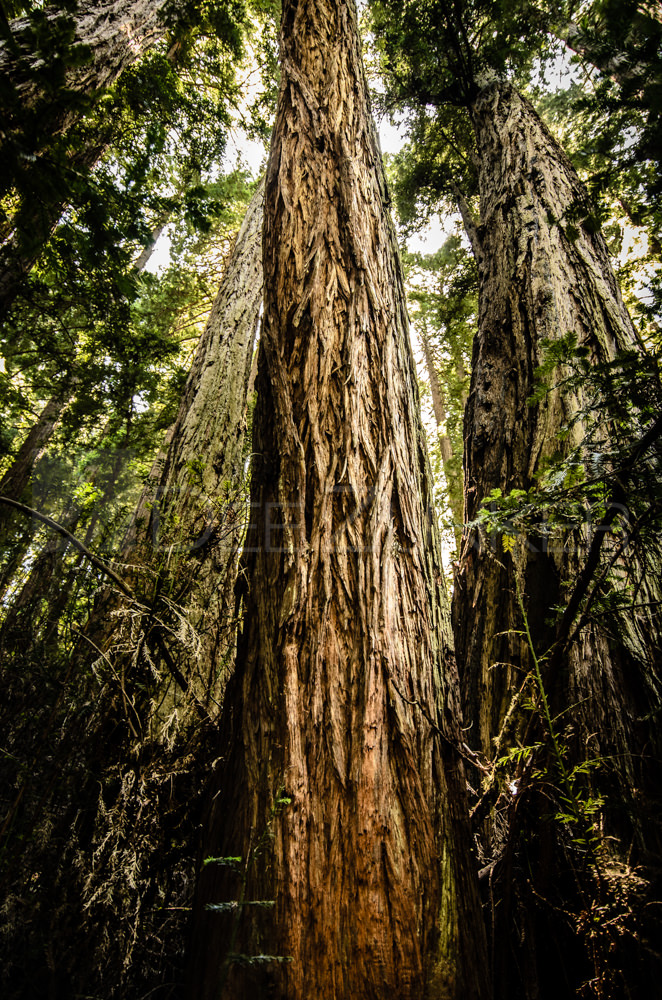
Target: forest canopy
{"x": 330, "y": 499}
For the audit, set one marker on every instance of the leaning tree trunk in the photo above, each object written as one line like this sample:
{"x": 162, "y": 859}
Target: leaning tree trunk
{"x": 545, "y": 273}
{"x": 18, "y": 476}
{"x": 109, "y": 35}
{"x": 180, "y": 554}
{"x": 187, "y": 533}
{"x": 120, "y": 788}
{"x": 182, "y": 548}
{"x": 339, "y": 790}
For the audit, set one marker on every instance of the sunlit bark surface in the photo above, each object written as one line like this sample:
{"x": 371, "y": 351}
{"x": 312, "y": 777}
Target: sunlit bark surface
{"x": 345, "y": 666}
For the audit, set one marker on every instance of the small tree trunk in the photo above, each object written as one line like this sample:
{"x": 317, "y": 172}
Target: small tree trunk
{"x": 13, "y": 556}
{"x": 438, "y": 404}
{"x": 18, "y": 476}
{"x": 345, "y": 667}
{"x": 445, "y": 446}
{"x": 144, "y": 257}
{"x": 18, "y": 624}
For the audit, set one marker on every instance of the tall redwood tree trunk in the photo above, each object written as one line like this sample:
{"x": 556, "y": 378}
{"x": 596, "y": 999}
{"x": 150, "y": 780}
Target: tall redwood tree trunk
{"x": 546, "y": 273}
{"x": 541, "y": 278}
{"x": 345, "y": 674}
{"x": 191, "y": 529}
{"x": 182, "y": 548}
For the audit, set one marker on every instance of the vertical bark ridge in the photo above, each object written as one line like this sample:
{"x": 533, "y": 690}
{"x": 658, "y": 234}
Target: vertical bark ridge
{"x": 345, "y": 666}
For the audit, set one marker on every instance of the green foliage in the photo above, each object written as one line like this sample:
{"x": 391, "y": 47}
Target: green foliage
{"x": 229, "y": 862}
{"x": 87, "y": 324}
{"x": 438, "y": 52}
{"x": 603, "y": 901}
{"x": 435, "y": 57}
{"x": 165, "y": 120}
{"x": 577, "y": 490}
{"x": 608, "y": 116}
{"x": 435, "y": 162}
{"x": 261, "y": 111}
{"x": 579, "y": 806}
{"x": 86, "y": 495}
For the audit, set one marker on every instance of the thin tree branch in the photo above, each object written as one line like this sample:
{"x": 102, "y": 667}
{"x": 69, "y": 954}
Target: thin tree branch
{"x": 468, "y": 221}
{"x": 584, "y": 617}
{"x": 124, "y": 587}
{"x": 76, "y": 542}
